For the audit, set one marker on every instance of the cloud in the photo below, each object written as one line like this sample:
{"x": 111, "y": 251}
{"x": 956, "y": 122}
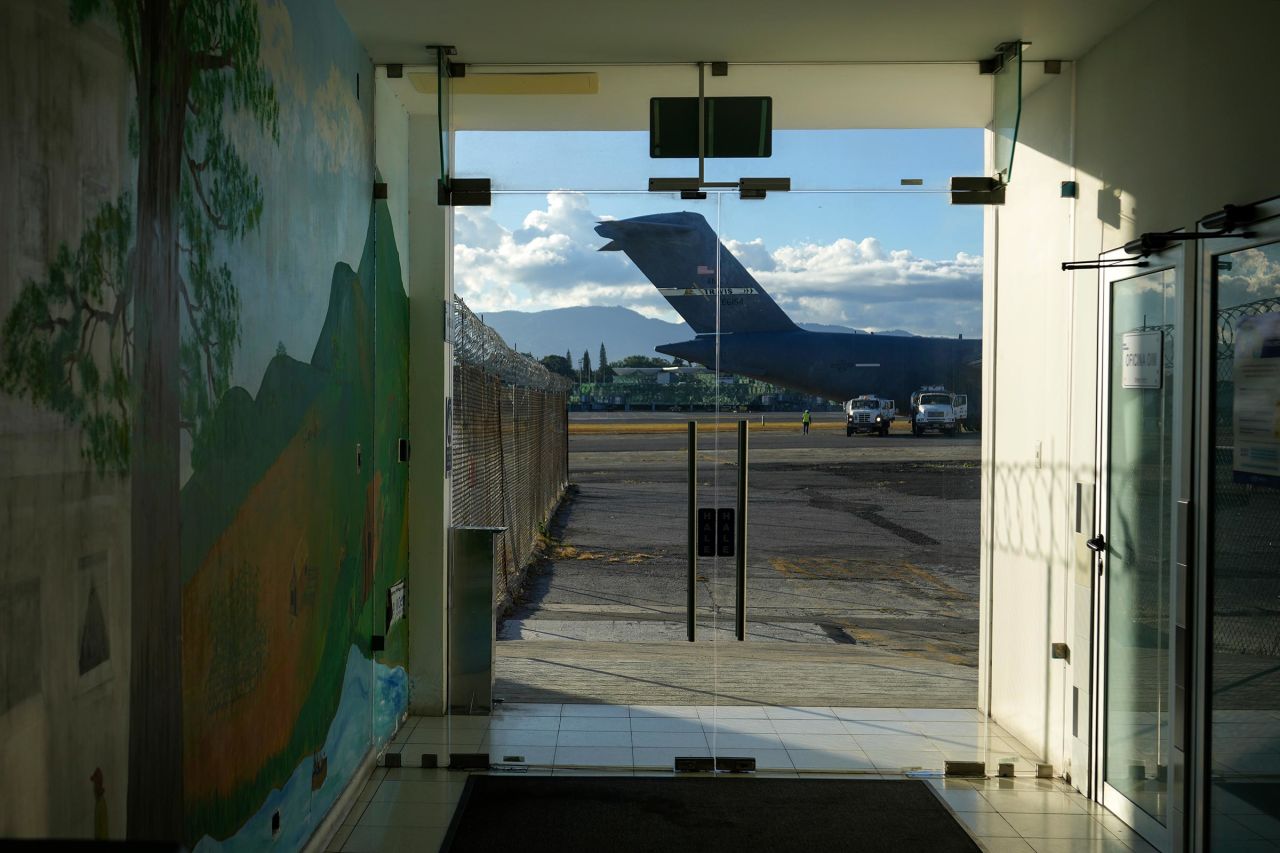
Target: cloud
{"x": 753, "y": 254}
{"x": 1254, "y": 274}
{"x": 552, "y": 260}
{"x": 323, "y": 123}
{"x": 275, "y": 52}
{"x": 338, "y": 124}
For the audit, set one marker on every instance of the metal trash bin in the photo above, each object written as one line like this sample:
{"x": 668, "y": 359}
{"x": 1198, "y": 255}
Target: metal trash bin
{"x": 472, "y": 623}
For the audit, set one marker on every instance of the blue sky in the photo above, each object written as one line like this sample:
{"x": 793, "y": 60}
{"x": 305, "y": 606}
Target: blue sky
{"x": 848, "y": 258}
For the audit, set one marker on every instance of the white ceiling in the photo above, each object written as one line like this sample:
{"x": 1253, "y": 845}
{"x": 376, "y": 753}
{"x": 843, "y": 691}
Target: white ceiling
{"x": 804, "y": 96}
{"x": 600, "y": 31}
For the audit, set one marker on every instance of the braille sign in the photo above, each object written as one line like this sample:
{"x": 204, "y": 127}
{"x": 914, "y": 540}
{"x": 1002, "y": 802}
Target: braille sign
{"x": 725, "y": 532}
{"x": 706, "y": 532}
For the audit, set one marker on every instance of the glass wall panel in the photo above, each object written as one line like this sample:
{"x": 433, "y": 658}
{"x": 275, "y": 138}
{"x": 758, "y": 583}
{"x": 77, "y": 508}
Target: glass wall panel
{"x": 1244, "y": 551}
{"x": 1007, "y": 111}
{"x": 1140, "y": 501}
{"x": 618, "y": 161}
{"x": 564, "y": 337}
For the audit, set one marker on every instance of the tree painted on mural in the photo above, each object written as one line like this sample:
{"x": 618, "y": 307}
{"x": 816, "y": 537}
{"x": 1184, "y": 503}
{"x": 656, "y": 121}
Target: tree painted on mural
{"x": 135, "y": 344}
{"x": 68, "y": 341}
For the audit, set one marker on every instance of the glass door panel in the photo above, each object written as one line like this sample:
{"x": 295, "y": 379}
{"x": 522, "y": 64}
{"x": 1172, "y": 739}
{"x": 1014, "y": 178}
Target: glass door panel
{"x": 862, "y": 543}
{"x": 567, "y": 323}
{"x": 1243, "y": 546}
{"x": 1138, "y": 481}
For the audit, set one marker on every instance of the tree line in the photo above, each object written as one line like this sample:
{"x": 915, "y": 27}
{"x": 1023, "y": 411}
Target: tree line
{"x": 583, "y": 370}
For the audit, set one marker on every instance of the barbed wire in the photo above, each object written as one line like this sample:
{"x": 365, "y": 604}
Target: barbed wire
{"x": 479, "y": 345}
{"x": 1229, "y": 319}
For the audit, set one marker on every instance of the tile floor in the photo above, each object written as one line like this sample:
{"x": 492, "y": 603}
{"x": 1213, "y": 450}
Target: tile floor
{"x": 410, "y": 807}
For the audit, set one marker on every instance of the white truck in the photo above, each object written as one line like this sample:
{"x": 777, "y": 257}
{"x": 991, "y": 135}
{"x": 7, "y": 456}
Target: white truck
{"x": 935, "y": 408}
{"x": 868, "y": 413}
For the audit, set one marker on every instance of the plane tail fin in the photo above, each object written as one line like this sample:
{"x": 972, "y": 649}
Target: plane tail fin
{"x": 678, "y": 253}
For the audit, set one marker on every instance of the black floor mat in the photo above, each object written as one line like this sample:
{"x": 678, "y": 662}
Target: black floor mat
{"x": 620, "y": 814}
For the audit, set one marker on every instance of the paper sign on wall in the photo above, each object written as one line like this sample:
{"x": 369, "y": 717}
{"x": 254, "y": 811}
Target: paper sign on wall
{"x": 1256, "y": 406}
{"x": 1143, "y": 359}
{"x": 395, "y": 603}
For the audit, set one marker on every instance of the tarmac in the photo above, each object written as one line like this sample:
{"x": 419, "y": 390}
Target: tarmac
{"x": 856, "y": 546}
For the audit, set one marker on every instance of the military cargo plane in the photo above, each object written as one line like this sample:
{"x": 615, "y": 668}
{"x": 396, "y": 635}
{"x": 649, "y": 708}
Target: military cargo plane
{"x": 680, "y": 254}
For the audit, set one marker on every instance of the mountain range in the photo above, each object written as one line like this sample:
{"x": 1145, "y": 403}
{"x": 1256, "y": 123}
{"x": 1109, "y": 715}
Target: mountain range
{"x": 622, "y": 331}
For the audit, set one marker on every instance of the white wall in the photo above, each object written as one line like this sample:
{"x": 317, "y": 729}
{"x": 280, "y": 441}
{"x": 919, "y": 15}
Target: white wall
{"x": 430, "y": 387}
{"x": 1172, "y": 117}
{"x": 1027, "y": 460}
{"x": 408, "y": 152}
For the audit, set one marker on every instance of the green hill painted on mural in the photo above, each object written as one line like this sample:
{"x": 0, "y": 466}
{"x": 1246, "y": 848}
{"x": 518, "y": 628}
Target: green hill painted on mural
{"x": 391, "y": 423}
{"x": 296, "y": 438}
{"x": 246, "y": 434}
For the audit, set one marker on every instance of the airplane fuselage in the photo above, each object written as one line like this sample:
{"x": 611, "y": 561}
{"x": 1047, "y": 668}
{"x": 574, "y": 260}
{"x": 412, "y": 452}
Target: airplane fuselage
{"x": 840, "y": 366}
{"x": 681, "y": 254}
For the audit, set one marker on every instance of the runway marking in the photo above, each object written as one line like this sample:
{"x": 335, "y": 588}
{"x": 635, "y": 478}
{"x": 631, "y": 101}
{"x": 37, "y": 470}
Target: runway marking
{"x": 728, "y": 423}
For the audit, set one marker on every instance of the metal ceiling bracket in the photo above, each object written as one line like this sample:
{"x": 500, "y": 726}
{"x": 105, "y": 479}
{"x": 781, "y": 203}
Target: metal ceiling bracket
{"x": 1004, "y": 51}
{"x": 977, "y": 190}
{"x": 465, "y": 192}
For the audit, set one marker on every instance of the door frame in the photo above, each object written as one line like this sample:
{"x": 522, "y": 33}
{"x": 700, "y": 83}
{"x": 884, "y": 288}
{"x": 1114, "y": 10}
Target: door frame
{"x": 1263, "y": 230}
{"x": 1181, "y": 256}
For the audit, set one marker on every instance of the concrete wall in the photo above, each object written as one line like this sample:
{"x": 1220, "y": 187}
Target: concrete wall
{"x": 408, "y": 160}
{"x": 291, "y": 369}
{"x": 64, "y": 530}
{"x": 1164, "y": 121}
{"x": 431, "y": 388}
{"x": 1028, "y": 459}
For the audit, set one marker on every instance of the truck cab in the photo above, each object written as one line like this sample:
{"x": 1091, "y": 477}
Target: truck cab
{"x": 934, "y": 409}
{"x": 868, "y": 413}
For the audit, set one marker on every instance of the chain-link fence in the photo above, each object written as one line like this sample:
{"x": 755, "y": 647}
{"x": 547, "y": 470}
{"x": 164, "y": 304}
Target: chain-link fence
{"x": 510, "y": 445}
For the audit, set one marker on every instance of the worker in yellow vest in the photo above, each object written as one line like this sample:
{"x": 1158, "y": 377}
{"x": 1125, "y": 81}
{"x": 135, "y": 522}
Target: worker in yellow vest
{"x": 804, "y": 421}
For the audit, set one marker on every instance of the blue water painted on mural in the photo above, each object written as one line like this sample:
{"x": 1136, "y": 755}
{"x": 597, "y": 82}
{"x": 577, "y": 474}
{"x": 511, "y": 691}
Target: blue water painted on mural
{"x": 301, "y": 807}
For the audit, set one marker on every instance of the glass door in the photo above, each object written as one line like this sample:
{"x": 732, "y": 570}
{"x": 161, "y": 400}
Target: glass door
{"x": 860, "y": 608}
{"x": 593, "y": 598}
{"x": 1141, "y": 392}
{"x": 861, "y": 592}
{"x": 1240, "y": 536}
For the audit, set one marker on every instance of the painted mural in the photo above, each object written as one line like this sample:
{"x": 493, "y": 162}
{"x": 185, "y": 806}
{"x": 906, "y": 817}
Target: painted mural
{"x": 296, "y": 530}
{"x": 252, "y": 392}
